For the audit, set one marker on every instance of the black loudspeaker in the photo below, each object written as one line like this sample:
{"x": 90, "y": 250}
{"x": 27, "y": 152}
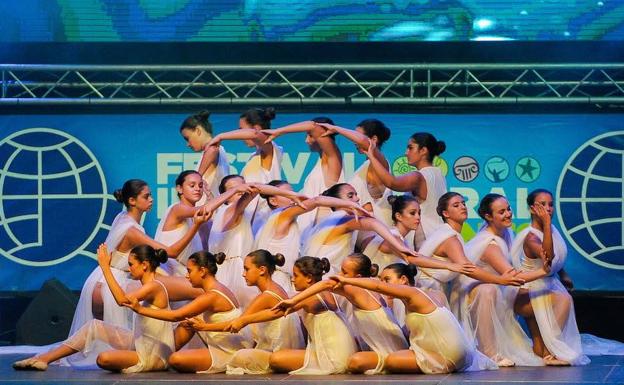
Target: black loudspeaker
{"x": 49, "y": 316}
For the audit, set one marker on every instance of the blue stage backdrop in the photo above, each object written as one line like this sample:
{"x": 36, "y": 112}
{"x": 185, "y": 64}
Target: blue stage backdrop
{"x": 57, "y": 174}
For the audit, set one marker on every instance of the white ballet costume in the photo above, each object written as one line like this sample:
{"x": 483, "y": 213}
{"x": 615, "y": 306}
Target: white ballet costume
{"x": 114, "y": 314}
{"x": 313, "y": 241}
{"x": 437, "y": 279}
{"x": 440, "y": 344}
{"x": 258, "y": 209}
{"x": 314, "y": 185}
{"x": 288, "y": 246}
{"x": 151, "y": 338}
{"x": 235, "y": 243}
{"x": 330, "y": 343}
{"x": 223, "y": 345}
{"x": 486, "y": 310}
{"x": 562, "y": 340}
{"x": 212, "y": 178}
{"x": 176, "y": 266}
{"x": 270, "y": 336}
{"x": 380, "y": 332}
{"x": 436, "y": 187}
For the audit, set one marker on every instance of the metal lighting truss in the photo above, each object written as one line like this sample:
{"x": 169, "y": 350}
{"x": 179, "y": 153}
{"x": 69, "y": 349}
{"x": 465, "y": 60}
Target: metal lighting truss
{"x": 317, "y": 84}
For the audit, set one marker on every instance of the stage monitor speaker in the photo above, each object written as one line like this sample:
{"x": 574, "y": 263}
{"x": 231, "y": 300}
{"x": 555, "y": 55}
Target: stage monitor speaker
{"x": 48, "y": 317}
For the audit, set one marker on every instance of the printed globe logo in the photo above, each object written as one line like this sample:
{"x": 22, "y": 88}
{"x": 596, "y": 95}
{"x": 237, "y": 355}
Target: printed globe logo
{"x": 590, "y": 200}
{"x": 52, "y": 197}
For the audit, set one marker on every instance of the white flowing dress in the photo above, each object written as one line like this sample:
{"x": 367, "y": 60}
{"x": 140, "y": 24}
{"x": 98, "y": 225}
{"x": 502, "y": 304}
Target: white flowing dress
{"x": 313, "y": 241}
{"x": 258, "y": 209}
{"x": 314, "y": 185}
{"x": 212, "y": 178}
{"x": 562, "y": 339}
{"x": 176, "y": 266}
{"x": 437, "y": 279}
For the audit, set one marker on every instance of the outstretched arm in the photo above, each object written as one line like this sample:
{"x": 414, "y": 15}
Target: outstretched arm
{"x": 195, "y": 307}
{"x": 396, "y": 291}
{"x": 239, "y": 134}
{"x": 209, "y": 159}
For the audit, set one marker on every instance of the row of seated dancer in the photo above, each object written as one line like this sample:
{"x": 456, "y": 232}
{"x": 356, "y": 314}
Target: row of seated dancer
{"x": 282, "y": 256}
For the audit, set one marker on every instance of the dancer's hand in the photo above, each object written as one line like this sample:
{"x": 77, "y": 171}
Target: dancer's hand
{"x": 215, "y": 141}
{"x": 299, "y": 200}
{"x": 235, "y": 325}
{"x": 463, "y": 268}
{"x": 339, "y": 281}
{"x": 285, "y": 305}
{"x": 133, "y": 303}
{"x": 542, "y": 214}
{"x": 510, "y": 278}
{"x": 207, "y": 192}
{"x": 330, "y": 129}
{"x": 192, "y": 324}
{"x": 103, "y": 256}
{"x": 272, "y": 134}
{"x": 202, "y": 216}
{"x": 370, "y": 152}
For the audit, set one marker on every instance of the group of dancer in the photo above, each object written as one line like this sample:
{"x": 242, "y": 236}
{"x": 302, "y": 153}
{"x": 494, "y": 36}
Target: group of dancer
{"x": 245, "y": 275}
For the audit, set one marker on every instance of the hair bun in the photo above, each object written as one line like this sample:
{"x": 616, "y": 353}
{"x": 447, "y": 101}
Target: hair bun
{"x": 269, "y": 113}
{"x": 279, "y": 258}
{"x": 203, "y": 115}
{"x": 440, "y": 147}
{"x": 219, "y": 257}
{"x": 118, "y": 195}
{"x": 325, "y": 265}
{"x": 412, "y": 269}
{"x": 374, "y": 270}
{"x": 391, "y": 199}
{"x": 161, "y": 255}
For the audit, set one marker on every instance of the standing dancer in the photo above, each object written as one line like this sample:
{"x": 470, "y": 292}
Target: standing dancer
{"x": 328, "y": 169}
{"x": 280, "y": 233}
{"x": 213, "y": 166}
{"x": 426, "y": 183}
{"x": 374, "y": 321}
{"x": 265, "y": 164}
{"x": 486, "y": 310}
{"x": 269, "y": 329}
{"x": 330, "y": 343}
{"x": 551, "y": 304}
{"x": 143, "y": 348}
{"x": 124, "y": 235}
{"x": 372, "y": 192}
{"x": 437, "y": 342}
{"x": 208, "y": 315}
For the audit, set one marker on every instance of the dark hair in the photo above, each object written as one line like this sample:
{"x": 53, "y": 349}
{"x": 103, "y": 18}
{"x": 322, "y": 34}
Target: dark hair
{"x": 485, "y": 207}
{"x": 375, "y": 127}
{"x": 130, "y": 189}
{"x": 402, "y": 269}
{"x": 225, "y": 180}
{"x": 274, "y": 183}
{"x": 325, "y": 119}
{"x": 207, "y": 260}
{"x": 364, "y": 266}
{"x": 182, "y": 176}
{"x": 443, "y": 202}
{"x": 260, "y": 117}
{"x": 425, "y": 139}
{"x": 334, "y": 191}
{"x": 147, "y": 253}
{"x": 399, "y": 202}
{"x": 262, "y": 257}
{"x": 199, "y": 119}
{"x": 314, "y": 267}
{"x": 533, "y": 194}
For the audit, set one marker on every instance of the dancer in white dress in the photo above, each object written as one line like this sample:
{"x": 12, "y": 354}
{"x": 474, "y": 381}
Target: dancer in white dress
{"x": 378, "y": 329}
{"x": 126, "y": 233}
{"x": 372, "y": 192}
{"x": 269, "y": 329}
{"x": 264, "y": 165}
{"x": 426, "y": 183}
{"x": 437, "y": 341}
{"x": 446, "y": 243}
{"x": 208, "y": 315}
{"x": 177, "y": 220}
{"x": 486, "y": 310}
{"x": 281, "y": 234}
{"x": 144, "y": 348}
{"x": 231, "y": 233}
{"x": 555, "y": 335}
{"x": 334, "y": 237}
{"x": 213, "y": 166}
{"x": 330, "y": 343}
{"x": 328, "y": 169}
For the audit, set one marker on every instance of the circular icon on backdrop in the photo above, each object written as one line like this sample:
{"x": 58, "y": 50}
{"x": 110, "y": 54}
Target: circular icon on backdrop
{"x": 528, "y": 169}
{"x": 590, "y": 200}
{"x": 401, "y": 167}
{"x": 496, "y": 169}
{"x": 466, "y": 169}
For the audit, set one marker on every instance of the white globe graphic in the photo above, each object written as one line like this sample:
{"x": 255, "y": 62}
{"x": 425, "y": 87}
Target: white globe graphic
{"x": 590, "y": 200}
{"x": 52, "y": 197}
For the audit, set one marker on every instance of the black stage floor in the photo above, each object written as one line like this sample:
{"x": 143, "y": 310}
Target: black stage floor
{"x": 602, "y": 370}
